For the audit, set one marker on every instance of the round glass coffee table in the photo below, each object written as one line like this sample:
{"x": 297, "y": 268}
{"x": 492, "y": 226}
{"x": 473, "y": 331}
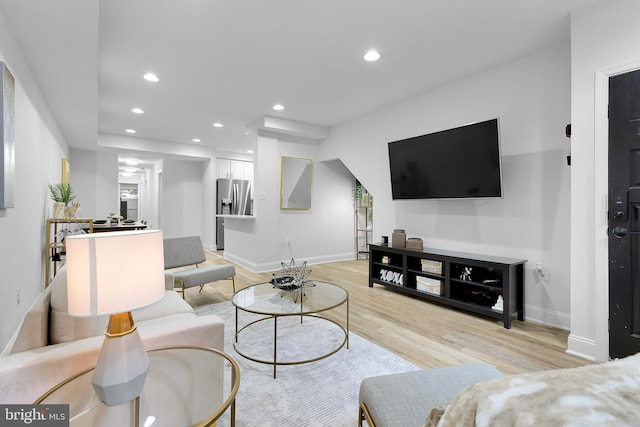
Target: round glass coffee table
{"x": 185, "y": 386}
{"x": 269, "y": 303}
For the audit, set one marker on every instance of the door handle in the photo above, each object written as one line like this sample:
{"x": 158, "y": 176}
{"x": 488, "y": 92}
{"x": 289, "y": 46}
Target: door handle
{"x": 620, "y": 232}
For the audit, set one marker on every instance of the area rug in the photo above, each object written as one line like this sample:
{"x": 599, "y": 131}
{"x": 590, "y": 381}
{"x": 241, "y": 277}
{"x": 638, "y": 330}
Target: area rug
{"x": 320, "y": 393}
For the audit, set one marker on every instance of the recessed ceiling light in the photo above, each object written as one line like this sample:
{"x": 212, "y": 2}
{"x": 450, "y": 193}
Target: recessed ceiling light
{"x": 151, "y": 77}
{"x": 137, "y": 110}
{"x": 196, "y": 139}
{"x": 278, "y": 107}
{"x": 250, "y": 151}
{"x": 127, "y": 174}
{"x": 132, "y": 162}
{"x": 218, "y": 125}
{"x": 371, "y": 56}
{"x": 129, "y": 170}
{"x": 130, "y": 131}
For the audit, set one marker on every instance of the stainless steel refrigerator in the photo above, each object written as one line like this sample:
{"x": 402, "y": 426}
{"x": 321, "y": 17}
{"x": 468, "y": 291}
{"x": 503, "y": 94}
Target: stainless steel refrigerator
{"x": 233, "y": 198}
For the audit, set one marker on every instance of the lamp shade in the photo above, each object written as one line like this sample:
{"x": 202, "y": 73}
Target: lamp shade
{"x": 114, "y": 272}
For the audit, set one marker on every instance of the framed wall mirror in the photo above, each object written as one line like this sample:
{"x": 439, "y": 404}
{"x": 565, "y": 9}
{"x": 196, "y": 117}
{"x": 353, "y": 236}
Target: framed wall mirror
{"x": 7, "y": 139}
{"x": 295, "y": 183}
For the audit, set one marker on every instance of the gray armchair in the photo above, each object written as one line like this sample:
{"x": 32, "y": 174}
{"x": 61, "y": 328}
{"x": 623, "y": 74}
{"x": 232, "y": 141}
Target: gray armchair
{"x": 188, "y": 251}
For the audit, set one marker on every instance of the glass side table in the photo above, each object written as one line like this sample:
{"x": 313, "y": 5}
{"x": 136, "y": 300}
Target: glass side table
{"x": 185, "y": 386}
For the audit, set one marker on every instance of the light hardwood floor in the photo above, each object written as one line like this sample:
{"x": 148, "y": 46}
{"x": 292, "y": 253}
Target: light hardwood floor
{"x": 426, "y": 334}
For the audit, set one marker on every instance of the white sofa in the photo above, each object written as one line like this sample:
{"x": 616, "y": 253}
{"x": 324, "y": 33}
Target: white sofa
{"x": 51, "y": 345}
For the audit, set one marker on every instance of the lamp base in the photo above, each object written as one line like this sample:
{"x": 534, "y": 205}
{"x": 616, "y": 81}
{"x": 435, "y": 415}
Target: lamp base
{"x": 122, "y": 365}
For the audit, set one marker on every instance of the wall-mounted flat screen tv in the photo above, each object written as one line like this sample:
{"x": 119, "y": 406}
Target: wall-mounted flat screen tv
{"x": 458, "y": 163}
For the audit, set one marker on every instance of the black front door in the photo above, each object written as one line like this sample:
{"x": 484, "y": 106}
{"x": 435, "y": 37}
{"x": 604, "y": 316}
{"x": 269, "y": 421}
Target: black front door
{"x": 624, "y": 214}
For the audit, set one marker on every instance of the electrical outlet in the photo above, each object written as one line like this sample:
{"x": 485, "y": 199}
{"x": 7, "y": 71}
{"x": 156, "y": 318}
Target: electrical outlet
{"x": 287, "y": 242}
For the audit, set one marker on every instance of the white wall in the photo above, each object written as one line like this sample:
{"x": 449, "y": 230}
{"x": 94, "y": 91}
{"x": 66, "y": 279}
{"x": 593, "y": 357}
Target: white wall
{"x": 108, "y": 195}
{"x": 531, "y": 96}
{"x": 605, "y": 39}
{"x": 83, "y": 178}
{"x": 94, "y": 178}
{"x": 323, "y": 233}
{"x": 154, "y": 195}
{"x": 208, "y": 217}
{"x": 252, "y": 242}
{"x": 182, "y": 183}
{"x": 39, "y": 149}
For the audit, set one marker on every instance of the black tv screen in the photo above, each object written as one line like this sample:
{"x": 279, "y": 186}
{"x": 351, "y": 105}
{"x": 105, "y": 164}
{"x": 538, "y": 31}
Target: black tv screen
{"x": 463, "y": 162}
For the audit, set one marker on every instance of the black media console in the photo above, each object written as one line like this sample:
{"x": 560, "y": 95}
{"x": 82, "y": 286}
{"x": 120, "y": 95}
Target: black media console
{"x": 486, "y": 285}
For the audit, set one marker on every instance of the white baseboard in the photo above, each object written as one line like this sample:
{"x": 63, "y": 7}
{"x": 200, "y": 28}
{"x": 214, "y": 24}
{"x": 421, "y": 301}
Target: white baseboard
{"x": 547, "y": 317}
{"x": 275, "y": 265}
{"x": 582, "y": 347}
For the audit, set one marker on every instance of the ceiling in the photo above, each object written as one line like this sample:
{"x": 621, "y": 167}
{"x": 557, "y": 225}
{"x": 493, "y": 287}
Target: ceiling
{"x": 231, "y": 61}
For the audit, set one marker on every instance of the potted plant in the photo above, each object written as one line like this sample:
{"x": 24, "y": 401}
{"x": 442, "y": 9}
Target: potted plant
{"x": 357, "y": 192}
{"x": 361, "y": 195}
{"x": 62, "y": 196}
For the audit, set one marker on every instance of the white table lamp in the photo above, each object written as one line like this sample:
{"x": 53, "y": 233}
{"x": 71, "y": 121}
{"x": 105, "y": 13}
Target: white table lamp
{"x": 114, "y": 273}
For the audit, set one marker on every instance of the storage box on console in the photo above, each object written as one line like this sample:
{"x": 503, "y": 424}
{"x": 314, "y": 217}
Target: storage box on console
{"x": 398, "y": 238}
{"x": 431, "y": 286}
{"x": 431, "y": 266}
{"x": 414, "y": 243}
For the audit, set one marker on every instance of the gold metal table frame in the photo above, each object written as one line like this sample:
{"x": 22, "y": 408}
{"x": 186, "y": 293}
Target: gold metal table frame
{"x": 84, "y": 401}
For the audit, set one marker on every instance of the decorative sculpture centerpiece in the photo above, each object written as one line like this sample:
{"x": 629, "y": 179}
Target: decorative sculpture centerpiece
{"x": 292, "y": 278}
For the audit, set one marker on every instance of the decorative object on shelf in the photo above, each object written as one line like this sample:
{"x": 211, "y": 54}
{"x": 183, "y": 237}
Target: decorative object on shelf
{"x": 398, "y": 238}
{"x": 357, "y": 192}
{"x": 7, "y": 141}
{"x": 385, "y": 240}
{"x": 112, "y": 274}
{"x": 59, "y": 210}
{"x": 485, "y": 298}
{"x": 498, "y": 305}
{"x": 71, "y": 210}
{"x": 414, "y": 243}
{"x": 466, "y": 274}
{"x": 292, "y": 278}
{"x": 284, "y": 282}
{"x": 391, "y": 276}
{"x": 115, "y": 219}
{"x": 62, "y": 196}
{"x": 385, "y": 259}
